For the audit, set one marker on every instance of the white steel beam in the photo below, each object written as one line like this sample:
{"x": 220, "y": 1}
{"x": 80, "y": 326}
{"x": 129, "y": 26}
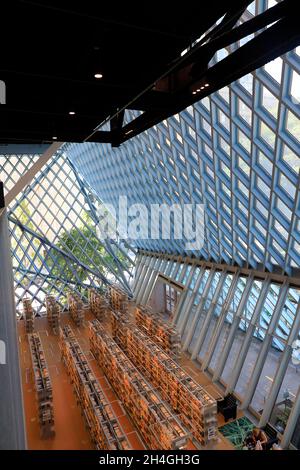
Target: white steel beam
{"x": 265, "y": 348}
{"x": 281, "y": 370}
{"x": 221, "y": 321}
{"x": 208, "y": 317}
{"x": 26, "y": 179}
{"x": 237, "y": 368}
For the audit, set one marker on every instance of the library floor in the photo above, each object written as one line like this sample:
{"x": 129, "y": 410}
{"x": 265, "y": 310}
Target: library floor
{"x": 70, "y": 431}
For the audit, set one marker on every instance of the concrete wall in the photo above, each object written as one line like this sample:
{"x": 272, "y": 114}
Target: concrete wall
{"x": 12, "y": 431}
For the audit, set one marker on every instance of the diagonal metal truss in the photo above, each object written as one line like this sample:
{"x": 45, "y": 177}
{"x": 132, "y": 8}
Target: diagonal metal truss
{"x": 53, "y": 225}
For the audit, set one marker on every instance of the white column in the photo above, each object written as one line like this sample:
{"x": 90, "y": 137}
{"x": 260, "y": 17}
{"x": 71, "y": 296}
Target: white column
{"x": 181, "y": 298}
{"x": 208, "y": 317}
{"x": 221, "y": 321}
{"x": 150, "y": 283}
{"x": 237, "y": 368}
{"x": 153, "y": 262}
{"x": 281, "y": 370}
{"x": 136, "y": 271}
{"x": 265, "y": 348}
{"x": 184, "y": 295}
{"x": 12, "y": 430}
{"x": 176, "y": 270}
{"x": 170, "y": 267}
{"x": 190, "y": 301}
{"x": 145, "y": 279}
{"x": 145, "y": 262}
{"x": 234, "y": 326}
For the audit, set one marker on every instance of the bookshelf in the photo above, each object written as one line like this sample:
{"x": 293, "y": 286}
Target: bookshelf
{"x": 28, "y": 315}
{"x": 53, "y": 313}
{"x": 105, "y": 429}
{"x": 159, "y": 330}
{"x": 43, "y": 387}
{"x": 98, "y": 304}
{"x": 196, "y": 408}
{"x": 157, "y": 424}
{"x": 76, "y": 308}
{"x": 118, "y": 299}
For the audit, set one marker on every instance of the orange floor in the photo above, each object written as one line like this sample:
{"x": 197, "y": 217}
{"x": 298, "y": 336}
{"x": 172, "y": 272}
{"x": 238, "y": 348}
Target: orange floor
{"x": 70, "y": 428}
{"x": 70, "y": 432}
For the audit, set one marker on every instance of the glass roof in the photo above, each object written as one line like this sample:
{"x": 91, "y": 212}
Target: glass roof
{"x": 237, "y": 152}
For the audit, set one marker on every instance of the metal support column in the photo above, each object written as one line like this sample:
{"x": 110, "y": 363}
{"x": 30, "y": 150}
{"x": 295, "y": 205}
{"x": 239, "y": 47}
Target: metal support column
{"x": 137, "y": 269}
{"x": 291, "y": 423}
{"x": 153, "y": 262}
{"x": 281, "y": 370}
{"x": 144, "y": 265}
{"x": 201, "y": 303}
{"x": 184, "y": 295}
{"x": 221, "y": 321}
{"x": 148, "y": 271}
{"x": 149, "y": 285}
{"x": 190, "y": 302}
{"x": 12, "y": 430}
{"x": 208, "y": 317}
{"x": 233, "y": 328}
{"x": 237, "y": 368}
{"x": 176, "y": 270}
{"x": 170, "y": 268}
{"x": 265, "y": 347}
{"x": 181, "y": 298}
{"x": 154, "y": 277}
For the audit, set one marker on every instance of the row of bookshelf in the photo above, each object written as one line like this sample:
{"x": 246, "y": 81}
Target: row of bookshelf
{"x": 28, "y": 315}
{"x": 118, "y": 299}
{"x": 76, "y": 308}
{"x": 43, "y": 387}
{"x": 105, "y": 429}
{"x": 196, "y": 408}
{"x": 98, "y": 304}
{"x": 158, "y": 426}
{"x": 165, "y": 335}
{"x": 53, "y": 313}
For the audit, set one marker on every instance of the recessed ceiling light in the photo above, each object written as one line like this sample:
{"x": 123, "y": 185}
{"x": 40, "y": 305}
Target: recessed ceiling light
{"x": 206, "y": 84}
{"x": 198, "y": 89}
{"x": 54, "y": 137}
{"x": 72, "y": 113}
{"x": 98, "y": 75}
{"x": 194, "y": 92}
{"x": 202, "y": 88}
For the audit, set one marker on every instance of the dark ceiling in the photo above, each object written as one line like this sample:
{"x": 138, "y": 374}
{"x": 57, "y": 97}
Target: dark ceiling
{"x": 51, "y": 50}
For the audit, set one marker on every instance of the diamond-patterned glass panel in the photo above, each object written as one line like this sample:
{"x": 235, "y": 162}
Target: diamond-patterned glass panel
{"x": 237, "y": 152}
{"x": 54, "y": 238}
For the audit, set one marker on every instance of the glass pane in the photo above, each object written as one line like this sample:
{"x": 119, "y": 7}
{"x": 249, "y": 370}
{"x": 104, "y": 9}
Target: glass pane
{"x": 266, "y": 379}
{"x": 265, "y": 163}
{"x": 274, "y": 68}
{"x": 269, "y": 102}
{"x": 244, "y": 112}
{"x": 267, "y": 134}
{"x": 295, "y": 88}
{"x": 293, "y": 125}
{"x": 291, "y": 159}
{"x": 247, "y": 82}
